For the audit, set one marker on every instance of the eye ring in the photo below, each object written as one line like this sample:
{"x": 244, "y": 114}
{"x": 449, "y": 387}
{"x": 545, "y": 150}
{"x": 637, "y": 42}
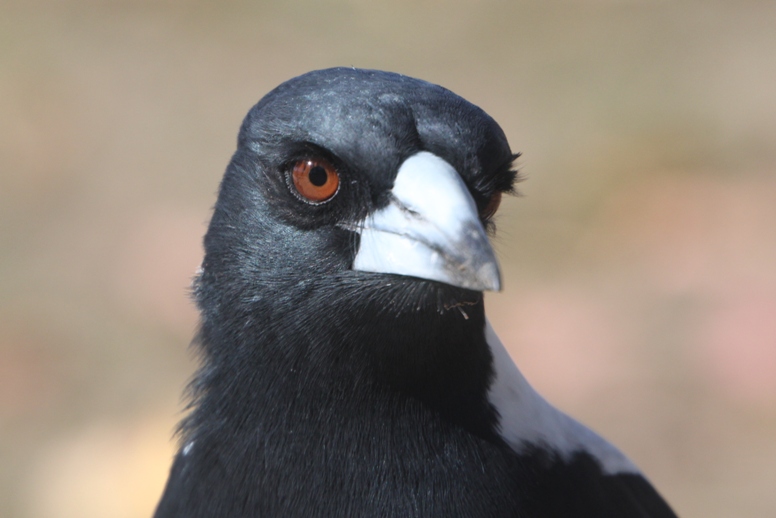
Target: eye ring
{"x": 315, "y": 180}
{"x": 492, "y": 206}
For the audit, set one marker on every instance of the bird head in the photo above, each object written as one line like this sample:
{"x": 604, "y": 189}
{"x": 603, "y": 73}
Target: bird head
{"x": 348, "y": 175}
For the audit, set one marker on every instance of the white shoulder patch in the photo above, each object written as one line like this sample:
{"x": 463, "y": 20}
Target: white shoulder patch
{"x": 526, "y": 418}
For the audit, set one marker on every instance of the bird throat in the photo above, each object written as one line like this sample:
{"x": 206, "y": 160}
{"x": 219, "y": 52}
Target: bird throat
{"x": 394, "y": 346}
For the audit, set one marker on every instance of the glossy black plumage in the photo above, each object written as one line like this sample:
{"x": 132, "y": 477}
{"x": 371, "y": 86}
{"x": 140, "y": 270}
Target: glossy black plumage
{"x": 328, "y": 391}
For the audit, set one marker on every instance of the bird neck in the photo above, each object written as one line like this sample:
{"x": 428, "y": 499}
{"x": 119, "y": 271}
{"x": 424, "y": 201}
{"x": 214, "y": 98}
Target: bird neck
{"x": 398, "y": 341}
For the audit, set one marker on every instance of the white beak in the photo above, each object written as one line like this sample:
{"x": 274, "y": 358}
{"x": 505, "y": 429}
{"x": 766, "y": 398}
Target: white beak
{"x": 430, "y": 229}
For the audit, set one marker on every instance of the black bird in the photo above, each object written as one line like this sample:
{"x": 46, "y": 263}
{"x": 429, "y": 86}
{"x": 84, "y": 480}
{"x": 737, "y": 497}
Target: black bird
{"x": 348, "y": 368}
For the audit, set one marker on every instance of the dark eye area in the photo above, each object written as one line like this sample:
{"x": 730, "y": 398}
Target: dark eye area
{"x": 492, "y": 206}
{"x": 315, "y": 179}
{"x": 318, "y": 176}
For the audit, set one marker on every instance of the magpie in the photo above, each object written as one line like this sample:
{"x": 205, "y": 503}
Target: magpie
{"x": 347, "y": 366}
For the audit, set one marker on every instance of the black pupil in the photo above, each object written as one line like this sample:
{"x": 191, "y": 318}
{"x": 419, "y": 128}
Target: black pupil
{"x": 318, "y": 176}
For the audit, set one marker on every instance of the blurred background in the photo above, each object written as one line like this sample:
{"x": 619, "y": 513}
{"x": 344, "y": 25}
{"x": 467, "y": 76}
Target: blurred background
{"x": 640, "y": 258}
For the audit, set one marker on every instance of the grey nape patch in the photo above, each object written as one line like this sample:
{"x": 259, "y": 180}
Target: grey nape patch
{"x": 527, "y": 419}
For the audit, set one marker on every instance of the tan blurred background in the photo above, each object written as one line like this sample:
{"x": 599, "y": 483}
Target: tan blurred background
{"x": 640, "y": 261}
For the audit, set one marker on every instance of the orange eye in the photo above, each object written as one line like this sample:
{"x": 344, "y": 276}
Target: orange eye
{"x": 315, "y": 179}
{"x": 492, "y": 206}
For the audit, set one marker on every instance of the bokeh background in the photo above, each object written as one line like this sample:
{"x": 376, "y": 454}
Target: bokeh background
{"x": 640, "y": 260}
